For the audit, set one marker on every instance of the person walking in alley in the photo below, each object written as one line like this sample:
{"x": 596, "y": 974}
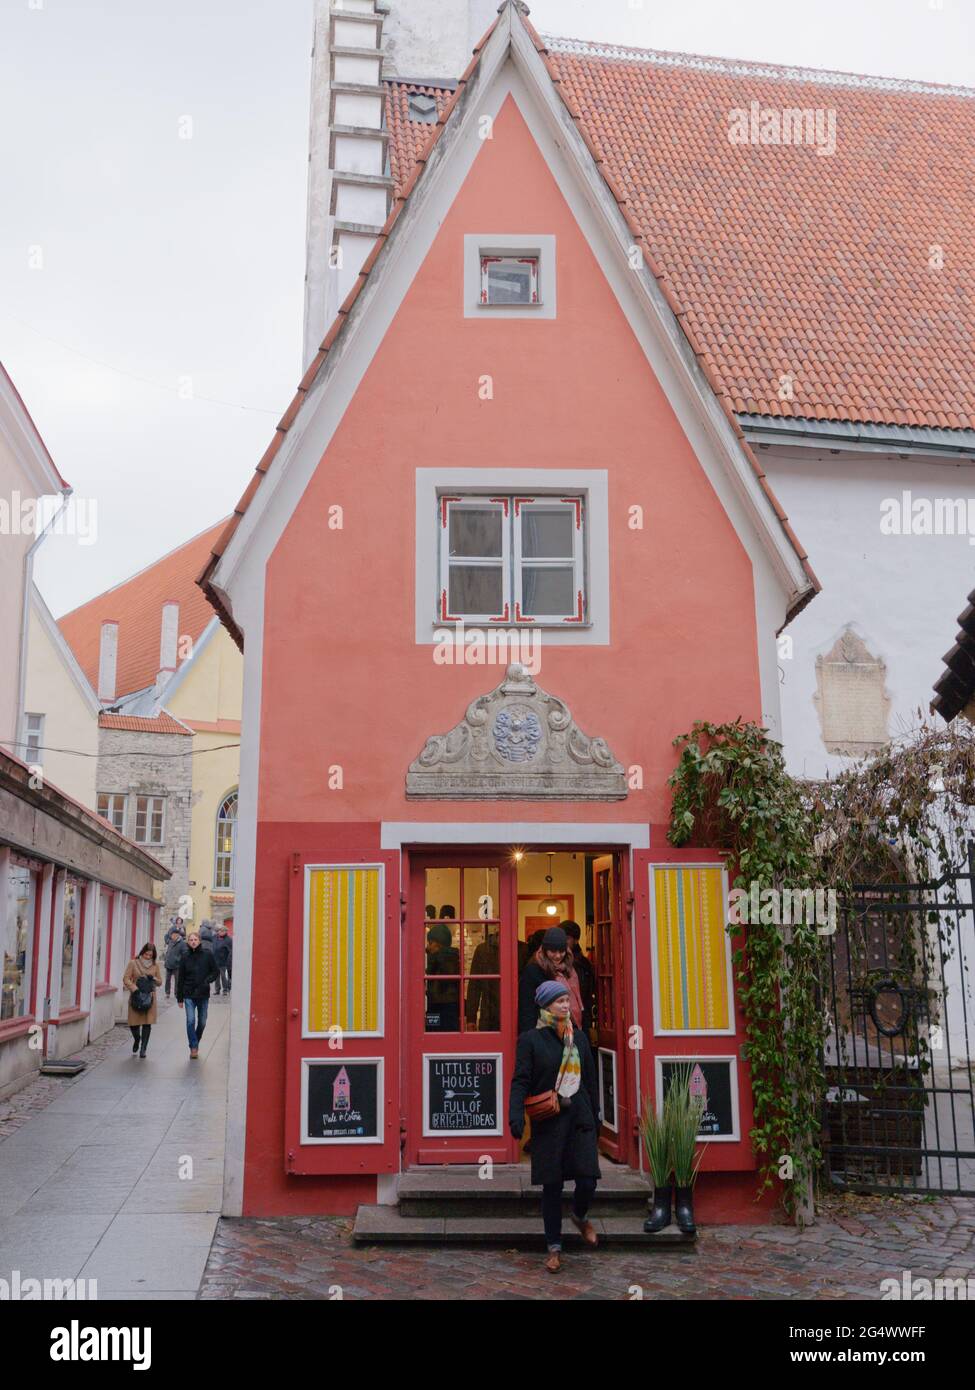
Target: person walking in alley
{"x": 554, "y": 1083}
{"x": 194, "y": 975}
{"x": 223, "y": 955}
{"x": 175, "y": 946}
{"x": 141, "y": 979}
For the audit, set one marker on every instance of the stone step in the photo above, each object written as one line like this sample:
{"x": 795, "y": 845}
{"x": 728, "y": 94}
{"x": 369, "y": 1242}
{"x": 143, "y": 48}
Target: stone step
{"x": 461, "y": 1191}
{"x": 386, "y": 1226}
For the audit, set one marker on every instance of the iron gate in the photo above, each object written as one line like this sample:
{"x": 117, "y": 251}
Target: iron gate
{"x": 899, "y": 995}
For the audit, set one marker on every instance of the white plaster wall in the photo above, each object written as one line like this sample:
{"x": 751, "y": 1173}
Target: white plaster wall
{"x": 901, "y": 593}
{"x": 70, "y": 723}
{"x": 435, "y": 38}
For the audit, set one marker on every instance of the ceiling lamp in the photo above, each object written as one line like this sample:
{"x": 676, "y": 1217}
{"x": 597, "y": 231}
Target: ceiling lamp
{"x": 552, "y": 907}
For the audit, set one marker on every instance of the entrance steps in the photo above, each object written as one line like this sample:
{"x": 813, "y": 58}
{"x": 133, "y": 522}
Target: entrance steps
{"x": 454, "y": 1204}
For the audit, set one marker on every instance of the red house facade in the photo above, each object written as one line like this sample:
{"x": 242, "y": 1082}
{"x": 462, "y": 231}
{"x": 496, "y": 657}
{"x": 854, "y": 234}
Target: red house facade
{"x": 507, "y": 543}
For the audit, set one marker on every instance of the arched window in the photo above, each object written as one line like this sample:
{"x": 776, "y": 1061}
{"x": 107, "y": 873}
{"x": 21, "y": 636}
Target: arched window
{"x": 223, "y": 875}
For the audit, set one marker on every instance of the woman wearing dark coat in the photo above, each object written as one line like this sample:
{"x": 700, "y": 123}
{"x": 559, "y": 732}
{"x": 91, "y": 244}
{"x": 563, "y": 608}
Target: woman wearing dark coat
{"x": 551, "y": 961}
{"x": 556, "y": 1056}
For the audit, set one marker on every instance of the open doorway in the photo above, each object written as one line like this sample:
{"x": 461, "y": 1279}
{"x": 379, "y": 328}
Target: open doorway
{"x": 475, "y": 920}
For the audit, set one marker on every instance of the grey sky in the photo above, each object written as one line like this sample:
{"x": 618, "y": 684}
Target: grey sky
{"x": 172, "y": 265}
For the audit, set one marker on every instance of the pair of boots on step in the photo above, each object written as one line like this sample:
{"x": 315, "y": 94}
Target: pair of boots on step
{"x": 682, "y": 1200}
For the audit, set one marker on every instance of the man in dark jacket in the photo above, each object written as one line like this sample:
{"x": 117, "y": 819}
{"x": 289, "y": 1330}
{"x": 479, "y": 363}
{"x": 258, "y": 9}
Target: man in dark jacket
{"x": 223, "y": 954}
{"x": 175, "y": 946}
{"x": 194, "y": 975}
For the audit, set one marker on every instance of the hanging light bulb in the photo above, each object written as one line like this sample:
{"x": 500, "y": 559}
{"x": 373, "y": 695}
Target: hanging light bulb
{"x": 552, "y": 907}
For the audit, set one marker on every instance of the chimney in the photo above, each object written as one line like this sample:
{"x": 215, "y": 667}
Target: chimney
{"x": 107, "y": 661}
{"x": 168, "y": 639}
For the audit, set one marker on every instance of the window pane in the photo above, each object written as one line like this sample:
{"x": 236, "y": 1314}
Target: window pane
{"x": 475, "y": 532}
{"x": 69, "y": 944}
{"x": 442, "y": 994}
{"x": 547, "y": 534}
{"x": 549, "y": 590}
{"x": 476, "y": 589}
{"x": 482, "y": 1006}
{"x": 480, "y": 895}
{"x": 509, "y": 281}
{"x": 17, "y": 931}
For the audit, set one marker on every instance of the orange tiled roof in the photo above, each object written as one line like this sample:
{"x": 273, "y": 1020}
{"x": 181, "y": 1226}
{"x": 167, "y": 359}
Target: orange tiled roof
{"x": 136, "y": 605}
{"x": 784, "y": 261}
{"x": 401, "y": 196}
{"x": 161, "y": 724}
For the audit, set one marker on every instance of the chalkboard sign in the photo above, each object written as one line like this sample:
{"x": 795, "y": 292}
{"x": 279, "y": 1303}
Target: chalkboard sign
{"x": 715, "y": 1080}
{"x": 607, "y": 1088}
{"x": 461, "y": 1094}
{"x": 342, "y": 1101}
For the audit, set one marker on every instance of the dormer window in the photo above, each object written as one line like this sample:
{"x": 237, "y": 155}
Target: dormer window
{"x": 422, "y": 108}
{"x": 509, "y": 279}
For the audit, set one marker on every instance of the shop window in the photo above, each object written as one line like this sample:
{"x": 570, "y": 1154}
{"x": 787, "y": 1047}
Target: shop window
{"x": 224, "y": 870}
{"x": 343, "y": 950}
{"x": 691, "y": 950}
{"x": 71, "y": 945}
{"x": 511, "y": 559}
{"x": 111, "y": 807}
{"x": 103, "y": 939}
{"x": 18, "y": 929}
{"x": 149, "y": 820}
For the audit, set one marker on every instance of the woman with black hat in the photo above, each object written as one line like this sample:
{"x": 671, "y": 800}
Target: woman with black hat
{"x": 552, "y": 961}
{"x": 555, "y": 1084}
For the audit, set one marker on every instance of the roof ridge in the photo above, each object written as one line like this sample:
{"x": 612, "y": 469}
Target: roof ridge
{"x": 827, "y": 77}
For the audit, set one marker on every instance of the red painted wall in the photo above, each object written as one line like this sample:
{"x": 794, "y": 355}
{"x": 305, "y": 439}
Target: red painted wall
{"x": 344, "y": 681}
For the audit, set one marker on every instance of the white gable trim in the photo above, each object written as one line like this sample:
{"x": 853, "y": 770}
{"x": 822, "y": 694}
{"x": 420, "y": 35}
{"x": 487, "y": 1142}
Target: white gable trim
{"x": 57, "y": 638}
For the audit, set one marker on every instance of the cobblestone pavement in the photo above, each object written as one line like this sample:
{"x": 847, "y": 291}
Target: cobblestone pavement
{"x": 856, "y": 1243}
{"x": 38, "y": 1094}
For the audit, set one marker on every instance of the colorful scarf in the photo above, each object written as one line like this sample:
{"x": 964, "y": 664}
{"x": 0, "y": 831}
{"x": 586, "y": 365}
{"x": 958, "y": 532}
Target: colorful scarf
{"x": 569, "y": 1078}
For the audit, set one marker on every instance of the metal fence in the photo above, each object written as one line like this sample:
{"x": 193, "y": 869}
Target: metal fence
{"x": 899, "y": 996}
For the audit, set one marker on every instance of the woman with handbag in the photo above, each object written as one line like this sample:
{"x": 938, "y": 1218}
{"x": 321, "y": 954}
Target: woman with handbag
{"x": 554, "y": 1084}
{"x": 142, "y": 978}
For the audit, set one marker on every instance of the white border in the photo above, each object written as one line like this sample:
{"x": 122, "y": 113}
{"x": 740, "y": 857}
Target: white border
{"x": 729, "y": 974}
{"x": 378, "y": 1063}
{"x": 381, "y": 960}
{"x": 735, "y": 1136}
{"x": 478, "y": 244}
{"x": 601, "y": 835}
{"x": 602, "y": 1052}
{"x": 591, "y": 484}
{"x": 497, "y": 1057}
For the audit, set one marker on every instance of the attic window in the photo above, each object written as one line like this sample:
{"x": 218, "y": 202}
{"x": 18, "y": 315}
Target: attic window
{"x": 509, "y": 279}
{"x": 422, "y": 108}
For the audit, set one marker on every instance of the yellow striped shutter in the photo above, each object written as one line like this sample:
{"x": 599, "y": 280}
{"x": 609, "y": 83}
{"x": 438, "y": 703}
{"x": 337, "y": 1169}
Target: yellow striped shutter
{"x": 691, "y": 948}
{"x": 343, "y": 950}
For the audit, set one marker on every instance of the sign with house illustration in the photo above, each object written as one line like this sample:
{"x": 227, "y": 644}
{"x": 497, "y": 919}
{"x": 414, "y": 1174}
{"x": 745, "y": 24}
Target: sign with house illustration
{"x": 341, "y": 1102}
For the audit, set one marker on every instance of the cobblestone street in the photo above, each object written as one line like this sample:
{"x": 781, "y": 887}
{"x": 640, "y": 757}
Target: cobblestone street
{"x": 856, "y": 1244}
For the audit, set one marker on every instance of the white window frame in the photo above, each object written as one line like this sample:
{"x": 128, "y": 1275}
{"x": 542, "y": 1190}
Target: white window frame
{"x": 112, "y": 798}
{"x": 512, "y": 560}
{"x": 149, "y": 813}
{"x": 219, "y": 858}
{"x": 489, "y": 258}
{"x": 542, "y": 484}
{"x": 539, "y": 247}
{"x": 34, "y": 739}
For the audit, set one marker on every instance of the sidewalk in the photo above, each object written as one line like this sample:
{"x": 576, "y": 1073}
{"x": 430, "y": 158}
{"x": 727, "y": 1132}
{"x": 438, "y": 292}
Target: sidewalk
{"x": 91, "y": 1186}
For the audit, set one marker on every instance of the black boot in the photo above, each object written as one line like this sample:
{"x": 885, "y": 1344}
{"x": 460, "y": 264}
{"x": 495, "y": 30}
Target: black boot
{"x": 660, "y": 1214}
{"x": 684, "y": 1210}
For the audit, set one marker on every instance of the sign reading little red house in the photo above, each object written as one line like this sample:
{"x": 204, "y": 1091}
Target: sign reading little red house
{"x": 714, "y": 1082}
{"x": 461, "y": 1094}
{"x": 342, "y": 1101}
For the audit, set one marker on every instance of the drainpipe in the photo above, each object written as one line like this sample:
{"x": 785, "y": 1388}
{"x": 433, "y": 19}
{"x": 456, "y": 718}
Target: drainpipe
{"x": 20, "y": 733}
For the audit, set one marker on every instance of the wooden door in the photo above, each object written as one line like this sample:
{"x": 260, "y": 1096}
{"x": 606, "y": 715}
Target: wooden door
{"x": 610, "y": 963}
{"x": 461, "y": 971}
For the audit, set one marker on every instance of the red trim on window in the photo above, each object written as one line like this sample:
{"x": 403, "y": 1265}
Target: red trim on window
{"x": 446, "y": 617}
{"x": 578, "y": 617}
{"x": 443, "y": 509}
{"x": 503, "y": 501}
{"x": 505, "y": 616}
{"x": 519, "y": 615}
{"x": 105, "y": 989}
{"x": 577, "y": 503}
{"x": 520, "y": 500}
{"x": 70, "y": 1016}
{"x": 13, "y": 1027}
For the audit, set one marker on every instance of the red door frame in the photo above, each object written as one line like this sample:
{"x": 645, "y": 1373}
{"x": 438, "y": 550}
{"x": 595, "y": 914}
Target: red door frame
{"x": 416, "y": 1042}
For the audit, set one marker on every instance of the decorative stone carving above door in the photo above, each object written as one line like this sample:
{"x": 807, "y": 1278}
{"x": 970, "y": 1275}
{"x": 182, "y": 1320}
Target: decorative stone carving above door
{"x": 517, "y": 743}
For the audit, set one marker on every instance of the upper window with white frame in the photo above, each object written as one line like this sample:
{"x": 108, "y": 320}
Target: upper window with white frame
{"x": 510, "y": 275}
{"x": 111, "y": 807}
{"x": 509, "y": 279}
{"x": 149, "y": 820}
{"x": 34, "y": 745}
{"x": 512, "y": 559}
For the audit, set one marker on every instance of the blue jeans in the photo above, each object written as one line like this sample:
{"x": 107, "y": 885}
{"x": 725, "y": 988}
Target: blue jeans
{"x": 196, "y": 1019}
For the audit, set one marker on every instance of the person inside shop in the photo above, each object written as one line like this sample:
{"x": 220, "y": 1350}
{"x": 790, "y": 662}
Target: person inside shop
{"x": 141, "y": 979}
{"x": 482, "y": 1007}
{"x": 443, "y": 996}
{"x": 586, "y": 971}
{"x": 195, "y": 973}
{"x": 551, "y": 961}
{"x": 554, "y": 1083}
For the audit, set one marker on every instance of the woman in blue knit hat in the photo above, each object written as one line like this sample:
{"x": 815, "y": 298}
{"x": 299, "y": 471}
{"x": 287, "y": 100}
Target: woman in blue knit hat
{"x": 555, "y": 1057}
